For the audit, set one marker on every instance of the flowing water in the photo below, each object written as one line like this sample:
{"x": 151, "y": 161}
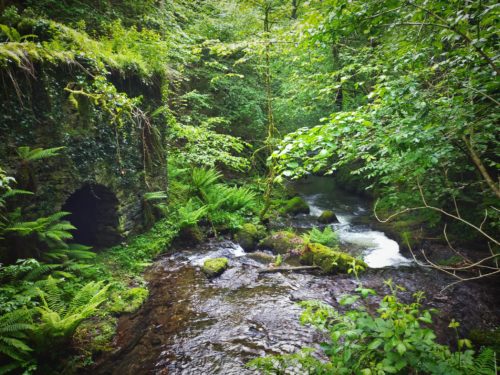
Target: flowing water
{"x": 373, "y": 246}
{"x": 191, "y": 325}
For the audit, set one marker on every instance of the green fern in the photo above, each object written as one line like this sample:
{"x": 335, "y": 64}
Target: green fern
{"x": 27, "y": 154}
{"x": 327, "y": 237}
{"x": 58, "y": 319}
{"x": 14, "y": 327}
{"x": 203, "y": 179}
{"x": 190, "y": 214}
{"x": 239, "y": 198}
{"x": 13, "y": 35}
{"x": 50, "y": 229}
{"x": 215, "y": 196}
{"x": 155, "y": 195}
{"x": 229, "y": 198}
{"x": 485, "y": 363}
{"x": 42, "y": 269}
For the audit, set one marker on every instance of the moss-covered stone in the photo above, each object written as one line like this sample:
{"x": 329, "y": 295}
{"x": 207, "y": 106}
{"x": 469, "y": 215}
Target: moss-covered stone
{"x": 95, "y": 335}
{"x": 295, "y": 206}
{"x": 328, "y": 259}
{"x": 215, "y": 266}
{"x": 261, "y": 257}
{"x": 328, "y": 217}
{"x": 191, "y": 235}
{"x": 283, "y": 242}
{"x": 249, "y": 235}
{"x": 128, "y": 301}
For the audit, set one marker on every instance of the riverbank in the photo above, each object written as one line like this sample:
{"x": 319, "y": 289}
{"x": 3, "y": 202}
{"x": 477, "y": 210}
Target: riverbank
{"x": 193, "y": 324}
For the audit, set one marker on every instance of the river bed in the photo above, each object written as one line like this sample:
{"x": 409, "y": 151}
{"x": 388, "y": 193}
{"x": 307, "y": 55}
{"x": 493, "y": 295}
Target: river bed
{"x": 192, "y": 325}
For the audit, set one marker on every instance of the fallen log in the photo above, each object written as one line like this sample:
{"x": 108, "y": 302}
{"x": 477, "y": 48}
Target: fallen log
{"x": 286, "y": 269}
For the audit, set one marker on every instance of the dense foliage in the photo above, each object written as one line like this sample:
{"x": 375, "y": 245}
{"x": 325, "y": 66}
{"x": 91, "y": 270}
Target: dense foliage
{"x": 394, "y": 339}
{"x": 417, "y": 88}
{"x": 194, "y": 111}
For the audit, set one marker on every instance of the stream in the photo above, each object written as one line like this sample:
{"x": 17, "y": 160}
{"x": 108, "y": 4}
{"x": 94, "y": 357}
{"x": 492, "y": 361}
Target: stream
{"x": 191, "y": 325}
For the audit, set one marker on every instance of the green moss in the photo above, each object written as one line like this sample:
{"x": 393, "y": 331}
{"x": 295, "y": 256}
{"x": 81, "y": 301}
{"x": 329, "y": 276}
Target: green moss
{"x": 328, "y": 217}
{"x": 215, "y": 266}
{"x": 261, "y": 257}
{"x": 283, "y": 242}
{"x": 328, "y": 259}
{"x": 191, "y": 234}
{"x": 95, "y": 335}
{"x": 134, "y": 256}
{"x": 294, "y": 206}
{"x": 128, "y": 301}
{"x": 248, "y": 236}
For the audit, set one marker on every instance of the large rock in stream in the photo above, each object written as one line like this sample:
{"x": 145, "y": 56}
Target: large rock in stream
{"x": 328, "y": 217}
{"x": 215, "y": 266}
{"x": 328, "y": 259}
{"x": 283, "y": 242}
{"x": 249, "y": 236}
{"x": 294, "y": 206}
{"x": 313, "y": 254}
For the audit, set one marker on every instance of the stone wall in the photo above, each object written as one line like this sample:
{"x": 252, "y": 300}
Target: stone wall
{"x": 36, "y": 112}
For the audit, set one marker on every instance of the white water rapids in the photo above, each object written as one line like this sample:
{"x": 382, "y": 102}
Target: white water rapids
{"x": 377, "y": 249}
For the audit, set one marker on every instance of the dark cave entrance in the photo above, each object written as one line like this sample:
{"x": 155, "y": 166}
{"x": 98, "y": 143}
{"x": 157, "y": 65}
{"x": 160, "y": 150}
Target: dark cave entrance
{"x": 94, "y": 213}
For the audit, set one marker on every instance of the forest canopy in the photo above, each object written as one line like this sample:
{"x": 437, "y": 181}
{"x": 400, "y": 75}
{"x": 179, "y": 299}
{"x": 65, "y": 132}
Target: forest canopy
{"x": 180, "y": 120}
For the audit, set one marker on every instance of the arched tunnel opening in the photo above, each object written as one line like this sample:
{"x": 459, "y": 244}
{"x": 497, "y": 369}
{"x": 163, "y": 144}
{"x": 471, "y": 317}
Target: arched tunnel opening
{"x": 94, "y": 212}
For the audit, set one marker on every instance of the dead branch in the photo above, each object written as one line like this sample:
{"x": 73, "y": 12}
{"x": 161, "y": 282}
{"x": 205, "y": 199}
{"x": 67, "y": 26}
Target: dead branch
{"x": 461, "y": 272}
{"x": 287, "y": 269}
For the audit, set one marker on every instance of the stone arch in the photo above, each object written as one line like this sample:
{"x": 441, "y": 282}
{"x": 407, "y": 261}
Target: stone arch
{"x": 94, "y": 212}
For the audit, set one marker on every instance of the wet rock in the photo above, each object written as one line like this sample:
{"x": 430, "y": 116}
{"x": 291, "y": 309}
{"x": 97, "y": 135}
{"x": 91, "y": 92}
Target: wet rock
{"x": 328, "y": 217}
{"x": 191, "y": 235}
{"x": 215, "y": 266}
{"x": 261, "y": 257}
{"x": 295, "y": 206}
{"x": 283, "y": 242}
{"x": 248, "y": 236}
{"x": 328, "y": 259}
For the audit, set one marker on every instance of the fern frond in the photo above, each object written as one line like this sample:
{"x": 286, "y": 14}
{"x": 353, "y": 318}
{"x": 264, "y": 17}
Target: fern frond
{"x": 13, "y": 328}
{"x": 28, "y": 154}
{"x": 13, "y": 192}
{"x": 485, "y": 362}
{"x": 204, "y": 178}
{"x": 51, "y": 296}
{"x": 42, "y": 269}
{"x": 155, "y": 195}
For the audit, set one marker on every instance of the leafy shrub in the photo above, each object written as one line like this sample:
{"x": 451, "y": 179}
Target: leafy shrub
{"x": 393, "y": 340}
{"x": 208, "y": 148}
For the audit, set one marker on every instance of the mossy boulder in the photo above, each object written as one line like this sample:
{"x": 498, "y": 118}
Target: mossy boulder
{"x": 215, "y": 266}
{"x": 128, "y": 300}
{"x": 294, "y": 206}
{"x": 328, "y": 217}
{"x": 191, "y": 235}
{"x": 283, "y": 242}
{"x": 248, "y": 236}
{"x": 261, "y": 257}
{"x": 328, "y": 259}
